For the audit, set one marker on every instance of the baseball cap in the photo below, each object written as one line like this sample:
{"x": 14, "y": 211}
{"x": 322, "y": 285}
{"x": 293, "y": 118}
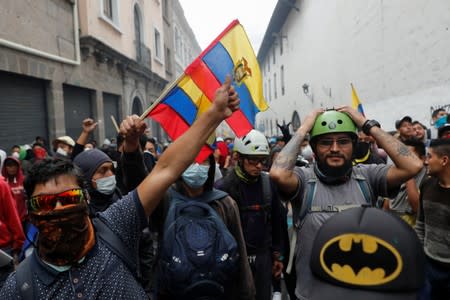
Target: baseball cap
{"x": 366, "y": 253}
{"x": 66, "y": 140}
{"x": 442, "y": 129}
{"x": 398, "y": 123}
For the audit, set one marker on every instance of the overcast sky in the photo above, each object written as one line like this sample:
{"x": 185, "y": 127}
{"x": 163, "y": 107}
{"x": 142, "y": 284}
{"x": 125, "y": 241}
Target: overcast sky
{"x": 208, "y": 18}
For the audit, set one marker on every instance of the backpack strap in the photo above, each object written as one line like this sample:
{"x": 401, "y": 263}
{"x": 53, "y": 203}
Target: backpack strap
{"x": 266, "y": 188}
{"x": 116, "y": 245}
{"x": 310, "y": 192}
{"x": 24, "y": 279}
{"x": 365, "y": 189}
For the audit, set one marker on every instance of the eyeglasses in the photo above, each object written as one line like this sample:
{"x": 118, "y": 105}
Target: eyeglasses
{"x": 47, "y": 202}
{"x": 255, "y": 161}
{"x": 342, "y": 142}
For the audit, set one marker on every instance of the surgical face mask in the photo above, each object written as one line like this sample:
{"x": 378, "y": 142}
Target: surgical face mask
{"x": 195, "y": 175}
{"x": 307, "y": 153}
{"x": 441, "y": 121}
{"x": 16, "y": 155}
{"x": 106, "y": 185}
{"x": 61, "y": 151}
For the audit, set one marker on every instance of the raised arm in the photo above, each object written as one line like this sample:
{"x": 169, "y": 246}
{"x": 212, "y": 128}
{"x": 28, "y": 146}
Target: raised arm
{"x": 183, "y": 151}
{"x": 88, "y": 126}
{"x": 282, "y": 170}
{"x": 407, "y": 164}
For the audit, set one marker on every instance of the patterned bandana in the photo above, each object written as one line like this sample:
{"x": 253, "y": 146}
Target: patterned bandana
{"x": 65, "y": 235}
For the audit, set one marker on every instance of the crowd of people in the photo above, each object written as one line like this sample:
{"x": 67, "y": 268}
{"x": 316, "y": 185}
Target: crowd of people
{"x": 328, "y": 211}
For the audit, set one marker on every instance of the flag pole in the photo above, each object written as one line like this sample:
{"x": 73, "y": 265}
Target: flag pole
{"x": 115, "y": 123}
{"x": 163, "y": 94}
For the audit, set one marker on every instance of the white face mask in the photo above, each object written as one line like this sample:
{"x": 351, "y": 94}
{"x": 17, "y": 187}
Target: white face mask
{"x": 16, "y": 155}
{"x": 61, "y": 151}
{"x": 106, "y": 185}
{"x": 195, "y": 175}
{"x": 307, "y": 153}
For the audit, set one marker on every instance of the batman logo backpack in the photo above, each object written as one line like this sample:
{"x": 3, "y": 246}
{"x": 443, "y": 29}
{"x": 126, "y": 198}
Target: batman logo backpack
{"x": 198, "y": 255}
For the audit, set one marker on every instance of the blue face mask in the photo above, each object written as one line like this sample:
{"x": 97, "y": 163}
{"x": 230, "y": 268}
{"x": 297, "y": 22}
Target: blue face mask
{"x": 195, "y": 175}
{"x": 441, "y": 121}
{"x": 106, "y": 185}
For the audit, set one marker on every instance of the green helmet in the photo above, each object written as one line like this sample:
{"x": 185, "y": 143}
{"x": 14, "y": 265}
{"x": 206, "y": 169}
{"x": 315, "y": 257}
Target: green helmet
{"x": 333, "y": 121}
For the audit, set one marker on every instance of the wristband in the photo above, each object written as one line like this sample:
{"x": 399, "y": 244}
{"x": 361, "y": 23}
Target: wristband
{"x": 368, "y": 125}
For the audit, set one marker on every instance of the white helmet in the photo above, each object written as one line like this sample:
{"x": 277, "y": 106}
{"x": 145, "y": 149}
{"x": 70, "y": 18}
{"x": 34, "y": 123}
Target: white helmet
{"x": 253, "y": 143}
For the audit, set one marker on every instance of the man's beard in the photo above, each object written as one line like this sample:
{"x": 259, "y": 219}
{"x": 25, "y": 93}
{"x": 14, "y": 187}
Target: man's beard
{"x": 333, "y": 175}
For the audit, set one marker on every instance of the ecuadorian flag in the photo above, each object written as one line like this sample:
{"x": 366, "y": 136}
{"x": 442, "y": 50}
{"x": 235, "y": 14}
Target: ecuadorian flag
{"x": 229, "y": 54}
{"x": 356, "y": 104}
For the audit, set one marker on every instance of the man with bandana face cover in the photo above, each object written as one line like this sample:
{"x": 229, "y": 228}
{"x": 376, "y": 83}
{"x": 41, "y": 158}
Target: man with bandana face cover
{"x": 71, "y": 261}
{"x": 333, "y": 137}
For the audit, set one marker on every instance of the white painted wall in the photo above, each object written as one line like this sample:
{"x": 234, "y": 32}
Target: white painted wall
{"x": 395, "y": 52}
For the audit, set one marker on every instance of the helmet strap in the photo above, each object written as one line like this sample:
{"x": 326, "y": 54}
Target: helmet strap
{"x": 243, "y": 175}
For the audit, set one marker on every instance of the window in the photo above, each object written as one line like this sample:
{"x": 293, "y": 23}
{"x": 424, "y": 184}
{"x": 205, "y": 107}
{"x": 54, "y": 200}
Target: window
{"x": 136, "y": 108}
{"x": 157, "y": 44}
{"x": 281, "y": 43}
{"x": 270, "y": 91}
{"x": 282, "y": 79}
{"x": 177, "y": 43}
{"x": 107, "y": 8}
{"x": 137, "y": 33}
{"x": 165, "y": 6}
{"x": 109, "y": 12}
{"x": 268, "y": 65}
{"x": 168, "y": 61}
{"x": 275, "y": 85}
{"x": 295, "y": 121}
{"x": 273, "y": 54}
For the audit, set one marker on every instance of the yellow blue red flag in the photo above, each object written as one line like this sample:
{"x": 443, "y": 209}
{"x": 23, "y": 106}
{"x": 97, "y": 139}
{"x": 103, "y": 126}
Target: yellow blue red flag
{"x": 191, "y": 94}
{"x": 356, "y": 104}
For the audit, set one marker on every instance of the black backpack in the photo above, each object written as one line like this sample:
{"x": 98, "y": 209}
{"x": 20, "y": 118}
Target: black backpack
{"x": 198, "y": 255}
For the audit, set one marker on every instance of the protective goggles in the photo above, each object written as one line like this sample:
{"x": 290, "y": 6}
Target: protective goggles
{"x": 255, "y": 161}
{"x": 47, "y": 202}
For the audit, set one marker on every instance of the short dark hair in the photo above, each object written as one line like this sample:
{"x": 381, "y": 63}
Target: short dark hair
{"x": 417, "y": 122}
{"x": 418, "y": 146}
{"x": 49, "y": 168}
{"x": 441, "y": 146}
{"x": 436, "y": 111}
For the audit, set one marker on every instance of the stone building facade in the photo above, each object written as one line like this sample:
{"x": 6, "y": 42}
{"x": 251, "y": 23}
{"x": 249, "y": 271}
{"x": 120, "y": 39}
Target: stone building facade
{"x": 64, "y": 60}
{"x": 395, "y": 53}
